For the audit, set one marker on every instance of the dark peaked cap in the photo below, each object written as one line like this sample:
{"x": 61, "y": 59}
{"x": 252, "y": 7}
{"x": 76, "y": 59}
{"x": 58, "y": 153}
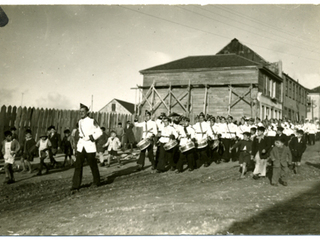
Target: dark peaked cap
{"x": 174, "y": 115}
{"x": 84, "y": 106}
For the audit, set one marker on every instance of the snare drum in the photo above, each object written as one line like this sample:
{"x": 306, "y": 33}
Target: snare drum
{"x": 202, "y": 143}
{"x": 169, "y": 145}
{"x": 143, "y": 144}
{"x": 188, "y": 146}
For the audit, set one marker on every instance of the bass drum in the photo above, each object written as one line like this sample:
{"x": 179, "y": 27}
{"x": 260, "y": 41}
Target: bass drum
{"x": 143, "y": 144}
{"x": 202, "y": 143}
{"x": 169, "y": 145}
{"x": 188, "y": 146}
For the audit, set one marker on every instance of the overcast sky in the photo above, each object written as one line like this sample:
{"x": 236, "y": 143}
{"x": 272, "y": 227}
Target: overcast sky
{"x": 60, "y": 55}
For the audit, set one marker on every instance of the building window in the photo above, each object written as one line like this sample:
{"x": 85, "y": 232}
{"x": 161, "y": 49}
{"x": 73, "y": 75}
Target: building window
{"x": 290, "y": 89}
{"x": 262, "y": 112}
{"x": 293, "y": 91}
{"x": 287, "y": 87}
{"x": 267, "y": 112}
{"x": 113, "y": 107}
{"x": 275, "y": 114}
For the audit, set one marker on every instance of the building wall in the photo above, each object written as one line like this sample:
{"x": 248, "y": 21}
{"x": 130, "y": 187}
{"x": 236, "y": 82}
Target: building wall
{"x": 294, "y": 99}
{"x": 217, "y": 96}
{"x": 315, "y": 99}
{"x": 118, "y": 108}
{"x": 243, "y": 75}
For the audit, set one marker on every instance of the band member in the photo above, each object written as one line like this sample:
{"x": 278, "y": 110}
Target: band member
{"x": 202, "y": 132}
{"x": 159, "y": 124}
{"x": 186, "y": 136}
{"x": 149, "y": 132}
{"x": 271, "y": 133}
{"x": 243, "y": 127}
{"x": 168, "y": 133}
{"x": 176, "y": 119}
{"x": 89, "y": 132}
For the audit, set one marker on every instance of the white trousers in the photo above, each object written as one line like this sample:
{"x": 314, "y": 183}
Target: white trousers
{"x": 261, "y": 166}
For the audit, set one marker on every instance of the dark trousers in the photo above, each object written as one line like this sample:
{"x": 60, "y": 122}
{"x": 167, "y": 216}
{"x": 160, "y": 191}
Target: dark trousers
{"x": 202, "y": 156}
{"x": 42, "y": 164}
{"x": 186, "y": 157}
{"x": 78, "y": 168}
{"x": 8, "y": 169}
{"x": 311, "y": 138}
{"x": 164, "y": 157}
{"x": 52, "y": 152}
{"x": 142, "y": 157}
{"x": 227, "y": 144}
{"x": 279, "y": 173}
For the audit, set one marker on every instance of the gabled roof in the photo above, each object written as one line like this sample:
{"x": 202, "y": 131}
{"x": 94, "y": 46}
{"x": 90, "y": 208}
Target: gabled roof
{"x": 209, "y": 61}
{"x": 240, "y": 49}
{"x": 126, "y": 105}
{"x": 315, "y": 90}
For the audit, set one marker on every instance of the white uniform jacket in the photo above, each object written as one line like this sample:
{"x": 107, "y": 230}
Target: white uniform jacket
{"x": 242, "y": 129}
{"x": 87, "y": 127}
{"x": 149, "y": 128}
{"x": 166, "y": 132}
{"x": 183, "y": 135}
{"x": 202, "y": 132}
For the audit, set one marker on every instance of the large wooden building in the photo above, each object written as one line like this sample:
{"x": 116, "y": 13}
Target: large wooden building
{"x": 235, "y": 81}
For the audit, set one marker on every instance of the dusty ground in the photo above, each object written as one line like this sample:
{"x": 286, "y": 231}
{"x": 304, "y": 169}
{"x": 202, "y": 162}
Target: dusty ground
{"x": 207, "y": 201}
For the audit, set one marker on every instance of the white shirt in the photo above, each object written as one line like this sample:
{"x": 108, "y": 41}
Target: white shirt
{"x": 232, "y": 130}
{"x": 149, "y": 128}
{"x": 166, "y": 132}
{"x": 183, "y": 135}
{"x": 113, "y": 144}
{"x": 206, "y": 131}
{"x": 242, "y": 129}
{"x": 8, "y": 157}
{"x": 88, "y": 127}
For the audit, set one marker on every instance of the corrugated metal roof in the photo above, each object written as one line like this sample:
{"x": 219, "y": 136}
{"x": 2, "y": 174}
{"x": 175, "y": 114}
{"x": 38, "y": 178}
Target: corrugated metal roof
{"x": 210, "y": 61}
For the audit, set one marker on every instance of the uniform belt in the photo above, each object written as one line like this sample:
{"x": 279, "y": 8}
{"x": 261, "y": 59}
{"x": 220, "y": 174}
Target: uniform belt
{"x": 164, "y": 136}
{"x": 201, "y": 132}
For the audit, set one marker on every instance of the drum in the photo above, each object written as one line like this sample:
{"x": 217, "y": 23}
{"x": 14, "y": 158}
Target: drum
{"x": 202, "y": 143}
{"x": 188, "y": 146}
{"x": 169, "y": 145}
{"x": 143, "y": 144}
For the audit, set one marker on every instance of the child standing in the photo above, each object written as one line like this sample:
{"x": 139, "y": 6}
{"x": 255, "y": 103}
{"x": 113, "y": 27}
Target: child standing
{"x": 29, "y": 147}
{"x": 280, "y": 156}
{"x": 297, "y": 146}
{"x": 113, "y": 145}
{"x": 10, "y": 147}
{"x": 44, "y": 146}
{"x": 260, "y": 153}
{"x": 67, "y": 147}
{"x": 244, "y": 147}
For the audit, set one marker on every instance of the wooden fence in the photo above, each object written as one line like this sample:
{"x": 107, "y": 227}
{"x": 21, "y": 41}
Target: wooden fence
{"x": 38, "y": 120}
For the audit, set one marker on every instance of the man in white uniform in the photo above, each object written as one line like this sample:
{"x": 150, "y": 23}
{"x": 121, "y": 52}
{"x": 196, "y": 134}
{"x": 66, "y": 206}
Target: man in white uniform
{"x": 149, "y": 129}
{"x": 89, "y": 132}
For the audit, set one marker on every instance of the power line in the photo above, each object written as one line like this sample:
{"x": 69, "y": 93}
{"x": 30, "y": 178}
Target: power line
{"x": 261, "y": 22}
{"x": 239, "y": 28}
{"x": 197, "y": 29}
{"x": 269, "y": 26}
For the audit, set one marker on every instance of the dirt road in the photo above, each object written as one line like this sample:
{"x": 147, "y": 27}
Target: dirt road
{"x": 209, "y": 201}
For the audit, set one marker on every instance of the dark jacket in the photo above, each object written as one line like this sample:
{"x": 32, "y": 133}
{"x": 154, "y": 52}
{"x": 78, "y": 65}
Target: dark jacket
{"x": 297, "y": 148}
{"x": 55, "y": 140}
{"x": 101, "y": 141}
{"x": 284, "y": 137}
{"x": 280, "y": 158}
{"x": 128, "y": 134}
{"x": 257, "y": 146}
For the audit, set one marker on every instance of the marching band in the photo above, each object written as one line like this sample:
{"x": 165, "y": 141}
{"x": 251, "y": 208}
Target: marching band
{"x": 210, "y": 139}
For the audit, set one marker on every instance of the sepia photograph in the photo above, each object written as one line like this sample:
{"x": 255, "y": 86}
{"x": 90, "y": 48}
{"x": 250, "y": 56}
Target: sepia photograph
{"x": 168, "y": 119}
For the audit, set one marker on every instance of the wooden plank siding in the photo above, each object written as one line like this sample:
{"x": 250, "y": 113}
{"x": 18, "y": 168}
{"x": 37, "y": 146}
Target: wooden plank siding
{"x": 217, "y": 100}
{"x": 38, "y": 120}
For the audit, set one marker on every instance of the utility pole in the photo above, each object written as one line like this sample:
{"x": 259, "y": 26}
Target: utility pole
{"x": 91, "y": 103}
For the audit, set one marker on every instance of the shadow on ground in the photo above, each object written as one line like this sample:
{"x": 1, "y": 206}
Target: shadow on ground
{"x": 297, "y": 216}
